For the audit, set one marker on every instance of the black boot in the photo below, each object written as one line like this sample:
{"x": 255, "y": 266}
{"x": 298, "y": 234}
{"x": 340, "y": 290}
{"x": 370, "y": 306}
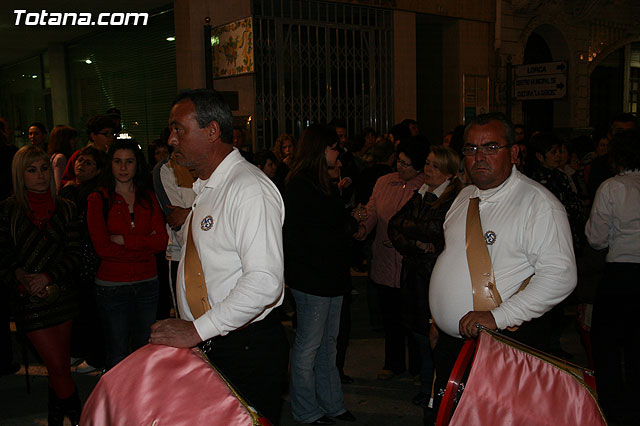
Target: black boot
{"x": 56, "y": 412}
{"x": 72, "y": 408}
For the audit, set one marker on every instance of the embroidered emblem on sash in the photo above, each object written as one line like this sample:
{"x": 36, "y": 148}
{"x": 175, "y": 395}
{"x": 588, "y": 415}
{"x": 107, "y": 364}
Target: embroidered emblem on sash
{"x": 490, "y": 237}
{"x": 207, "y": 223}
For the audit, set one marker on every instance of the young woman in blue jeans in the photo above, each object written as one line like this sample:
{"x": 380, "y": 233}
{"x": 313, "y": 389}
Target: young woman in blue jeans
{"x": 127, "y": 230}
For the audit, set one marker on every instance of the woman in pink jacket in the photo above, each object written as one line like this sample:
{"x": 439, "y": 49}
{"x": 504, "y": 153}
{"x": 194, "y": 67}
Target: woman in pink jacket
{"x": 390, "y": 193}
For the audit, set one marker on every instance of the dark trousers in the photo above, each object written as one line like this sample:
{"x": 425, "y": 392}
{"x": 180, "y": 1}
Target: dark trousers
{"x": 534, "y": 333}
{"x": 616, "y": 339}
{"x": 255, "y": 360}
{"x": 396, "y": 334}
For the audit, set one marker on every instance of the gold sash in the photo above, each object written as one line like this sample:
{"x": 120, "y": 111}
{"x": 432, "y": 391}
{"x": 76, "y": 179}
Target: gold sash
{"x": 485, "y": 293}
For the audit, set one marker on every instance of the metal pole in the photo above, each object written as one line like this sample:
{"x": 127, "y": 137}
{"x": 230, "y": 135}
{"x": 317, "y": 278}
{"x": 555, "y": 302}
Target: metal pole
{"x": 208, "y": 62}
{"x": 509, "y": 86}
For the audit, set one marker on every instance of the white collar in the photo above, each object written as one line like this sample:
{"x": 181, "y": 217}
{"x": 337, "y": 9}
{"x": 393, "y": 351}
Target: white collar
{"x": 220, "y": 173}
{"x": 493, "y": 194}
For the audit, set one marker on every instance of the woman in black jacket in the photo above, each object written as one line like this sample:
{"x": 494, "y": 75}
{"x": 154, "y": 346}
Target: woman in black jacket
{"x": 416, "y": 231}
{"x": 317, "y": 234}
{"x": 39, "y": 249}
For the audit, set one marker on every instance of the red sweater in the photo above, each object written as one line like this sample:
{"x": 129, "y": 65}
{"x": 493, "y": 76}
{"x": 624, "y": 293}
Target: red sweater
{"x": 135, "y": 260}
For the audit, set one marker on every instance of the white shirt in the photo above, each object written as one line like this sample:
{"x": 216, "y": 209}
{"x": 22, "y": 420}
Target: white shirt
{"x": 241, "y": 251}
{"x": 179, "y": 197}
{"x": 615, "y": 218}
{"x": 437, "y": 192}
{"x": 532, "y": 235}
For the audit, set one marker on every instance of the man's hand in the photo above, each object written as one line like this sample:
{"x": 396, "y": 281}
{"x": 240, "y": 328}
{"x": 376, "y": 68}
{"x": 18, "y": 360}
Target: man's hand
{"x": 177, "y": 217}
{"x": 174, "y": 332}
{"x": 467, "y": 325}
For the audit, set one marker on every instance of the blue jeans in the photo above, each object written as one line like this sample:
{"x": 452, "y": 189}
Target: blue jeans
{"x": 127, "y": 313}
{"x": 315, "y": 382}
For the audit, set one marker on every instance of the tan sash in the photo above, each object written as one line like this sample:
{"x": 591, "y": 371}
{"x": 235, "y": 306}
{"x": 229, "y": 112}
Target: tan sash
{"x": 485, "y": 293}
{"x": 483, "y": 283}
{"x": 195, "y": 285}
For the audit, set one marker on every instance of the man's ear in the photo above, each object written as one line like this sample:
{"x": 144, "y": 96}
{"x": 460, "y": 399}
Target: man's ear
{"x": 92, "y": 136}
{"x": 540, "y": 157}
{"x": 514, "y": 150}
{"x": 213, "y": 131}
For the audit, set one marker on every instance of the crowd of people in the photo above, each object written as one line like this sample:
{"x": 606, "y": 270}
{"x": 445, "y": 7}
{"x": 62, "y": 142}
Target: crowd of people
{"x": 104, "y": 250}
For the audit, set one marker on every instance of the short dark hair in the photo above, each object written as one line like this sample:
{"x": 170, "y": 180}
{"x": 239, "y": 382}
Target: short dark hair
{"x": 483, "y": 119}
{"x": 541, "y": 143}
{"x": 97, "y": 123}
{"x": 400, "y": 132}
{"x": 381, "y": 150}
{"x": 210, "y": 106}
{"x": 417, "y": 149}
{"x": 40, "y": 127}
{"x": 624, "y": 150}
{"x": 625, "y": 117}
{"x": 113, "y": 112}
{"x": 260, "y": 158}
{"x": 100, "y": 157}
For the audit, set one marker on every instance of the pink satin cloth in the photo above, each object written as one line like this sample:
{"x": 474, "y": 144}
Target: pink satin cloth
{"x": 160, "y": 385}
{"x": 509, "y": 387}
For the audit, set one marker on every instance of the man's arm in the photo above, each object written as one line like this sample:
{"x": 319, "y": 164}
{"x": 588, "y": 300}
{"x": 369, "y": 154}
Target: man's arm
{"x": 257, "y": 230}
{"x": 548, "y": 247}
{"x": 600, "y": 220}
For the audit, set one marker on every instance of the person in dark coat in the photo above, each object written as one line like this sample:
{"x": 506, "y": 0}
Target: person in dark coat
{"x": 39, "y": 250}
{"x": 416, "y": 231}
{"x": 316, "y": 234}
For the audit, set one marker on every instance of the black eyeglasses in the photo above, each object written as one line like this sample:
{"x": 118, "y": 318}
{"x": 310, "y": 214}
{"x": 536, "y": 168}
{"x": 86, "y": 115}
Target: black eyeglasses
{"x": 489, "y": 149}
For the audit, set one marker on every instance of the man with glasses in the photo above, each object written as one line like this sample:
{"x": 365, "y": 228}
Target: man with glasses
{"x": 100, "y": 129}
{"x": 526, "y": 232}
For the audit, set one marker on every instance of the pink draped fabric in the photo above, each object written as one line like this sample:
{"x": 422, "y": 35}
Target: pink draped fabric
{"x": 509, "y": 387}
{"x": 160, "y": 385}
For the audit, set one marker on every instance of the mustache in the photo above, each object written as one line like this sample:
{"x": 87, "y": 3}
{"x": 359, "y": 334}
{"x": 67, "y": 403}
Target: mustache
{"x": 480, "y": 163}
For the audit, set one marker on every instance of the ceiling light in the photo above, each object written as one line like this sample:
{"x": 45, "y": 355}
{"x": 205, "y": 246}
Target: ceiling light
{"x": 171, "y": 38}
{"x": 88, "y": 61}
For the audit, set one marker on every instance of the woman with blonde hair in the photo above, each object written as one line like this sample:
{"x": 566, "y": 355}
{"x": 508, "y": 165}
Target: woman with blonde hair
{"x": 39, "y": 249}
{"x": 62, "y": 143}
{"x": 417, "y": 233}
{"x": 284, "y": 149}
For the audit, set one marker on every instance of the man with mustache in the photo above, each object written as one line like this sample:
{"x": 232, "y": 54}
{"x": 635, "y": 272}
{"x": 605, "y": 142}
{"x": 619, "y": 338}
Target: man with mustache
{"x": 526, "y": 232}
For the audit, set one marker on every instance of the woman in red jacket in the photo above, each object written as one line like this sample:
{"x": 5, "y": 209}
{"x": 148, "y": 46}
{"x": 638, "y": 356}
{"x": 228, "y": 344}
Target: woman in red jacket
{"x": 127, "y": 230}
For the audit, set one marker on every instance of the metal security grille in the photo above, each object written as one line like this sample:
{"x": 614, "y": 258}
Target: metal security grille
{"x": 318, "y": 61}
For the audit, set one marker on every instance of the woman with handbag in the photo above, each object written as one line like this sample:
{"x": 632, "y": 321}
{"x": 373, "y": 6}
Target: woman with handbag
{"x": 126, "y": 234}
{"x": 39, "y": 249}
